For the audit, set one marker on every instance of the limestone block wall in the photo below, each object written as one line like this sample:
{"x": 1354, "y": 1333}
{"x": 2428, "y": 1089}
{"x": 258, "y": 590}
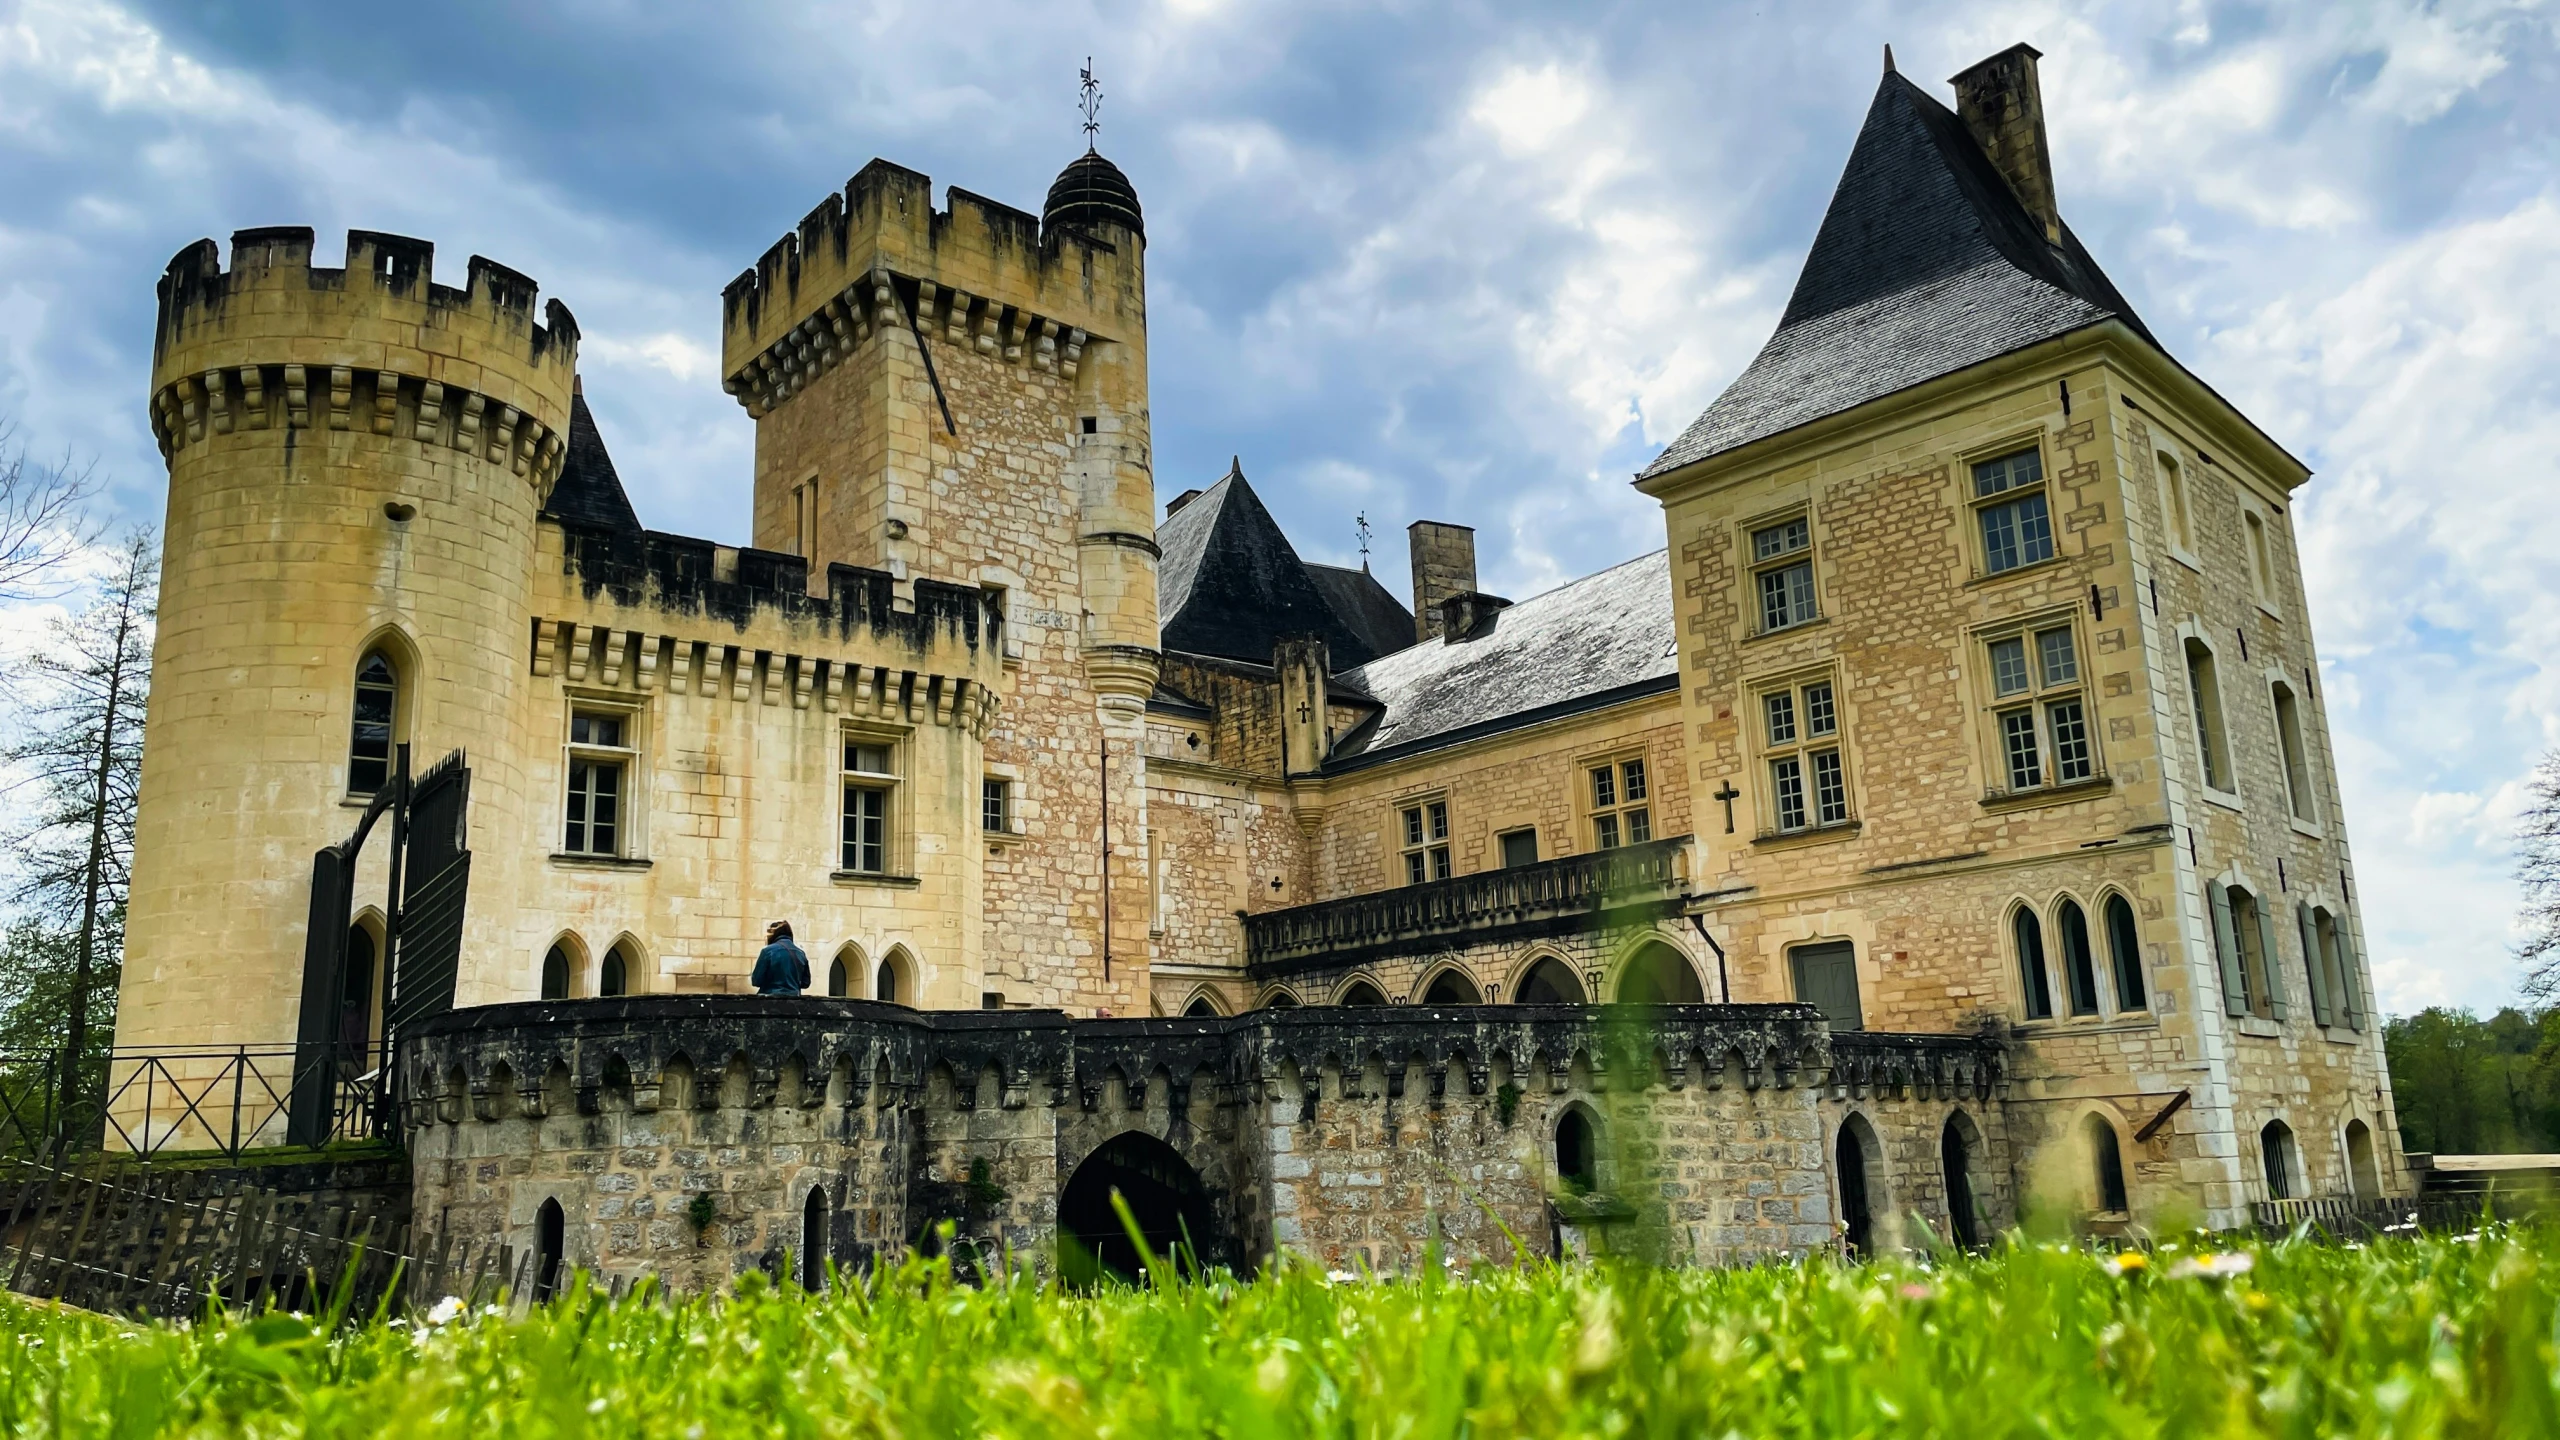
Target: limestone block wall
{"x": 1344, "y": 1135}
{"x": 356, "y": 457}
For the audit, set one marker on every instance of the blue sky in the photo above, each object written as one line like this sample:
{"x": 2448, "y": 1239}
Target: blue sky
{"x": 1469, "y": 262}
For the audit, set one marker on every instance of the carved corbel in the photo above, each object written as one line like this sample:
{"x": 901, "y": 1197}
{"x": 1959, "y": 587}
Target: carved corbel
{"x": 1045, "y": 353}
{"x": 575, "y": 638}
{"x": 804, "y": 680}
{"x": 609, "y": 652}
{"x": 342, "y": 391}
{"x": 253, "y": 395}
{"x": 386, "y": 401}
{"x": 1074, "y": 353}
{"x": 466, "y": 430}
{"x": 191, "y": 406}
{"x": 297, "y": 397}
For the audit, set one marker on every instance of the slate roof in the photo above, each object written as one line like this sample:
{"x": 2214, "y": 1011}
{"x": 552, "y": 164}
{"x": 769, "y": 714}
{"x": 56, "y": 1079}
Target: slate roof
{"x": 1369, "y": 608}
{"x": 1589, "y": 642}
{"x": 1925, "y": 264}
{"x": 588, "y": 491}
{"x": 1230, "y": 585}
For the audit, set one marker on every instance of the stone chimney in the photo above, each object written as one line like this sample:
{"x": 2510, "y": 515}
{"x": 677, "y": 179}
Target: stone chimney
{"x": 1174, "y": 506}
{"x": 1999, "y": 101}
{"x": 1302, "y": 663}
{"x": 1444, "y": 564}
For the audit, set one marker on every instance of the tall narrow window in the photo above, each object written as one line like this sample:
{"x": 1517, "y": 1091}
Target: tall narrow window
{"x": 1426, "y": 841}
{"x": 2040, "y": 712}
{"x": 555, "y": 974}
{"x": 1800, "y": 735}
{"x": 1782, "y": 573}
{"x": 614, "y": 977}
{"x": 870, "y": 784}
{"x": 1621, "y": 803}
{"x": 2079, "y": 966}
{"x": 2297, "y": 764}
{"x": 2124, "y": 947}
{"x": 2262, "y": 570}
{"x": 2037, "y": 983}
{"x": 884, "y": 985}
{"x": 2010, "y": 507}
{"x": 377, "y": 704}
{"x": 2107, "y": 1160}
{"x": 995, "y": 805}
{"x": 2204, "y": 692}
{"x": 2253, "y": 938}
{"x": 2173, "y": 487}
{"x": 2275, "y": 1149}
{"x": 2340, "y": 960}
{"x": 599, "y": 766}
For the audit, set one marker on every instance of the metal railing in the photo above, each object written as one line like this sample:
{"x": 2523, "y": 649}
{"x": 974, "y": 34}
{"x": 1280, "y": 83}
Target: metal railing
{"x": 2346, "y": 1218}
{"x": 153, "y": 1101}
{"x": 1576, "y": 884}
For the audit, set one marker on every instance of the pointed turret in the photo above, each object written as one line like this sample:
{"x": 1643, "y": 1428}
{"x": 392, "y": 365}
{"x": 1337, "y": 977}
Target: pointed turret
{"x": 1927, "y": 262}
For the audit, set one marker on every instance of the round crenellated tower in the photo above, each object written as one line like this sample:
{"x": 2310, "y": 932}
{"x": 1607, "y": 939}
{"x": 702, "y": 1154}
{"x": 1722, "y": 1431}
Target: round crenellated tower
{"x": 356, "y": 459}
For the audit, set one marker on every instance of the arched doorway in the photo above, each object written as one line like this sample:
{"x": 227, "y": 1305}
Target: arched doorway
{"x": 1659, "y": 975}
{"x": 2364, "y": 1178}
{"x": 550, "y": 1234}
{"x": 1165, "y": 1199}
{"x": 2108, "y": 1157}
{"x": 1549, "y": 983}
{"x": 1955, "y": 1158}
{"x": 813, "y": 1241}
{"x": 1851, "y": 1155}
{"x": 2275, "y": 1148}
{"x": 1451, "y": 987}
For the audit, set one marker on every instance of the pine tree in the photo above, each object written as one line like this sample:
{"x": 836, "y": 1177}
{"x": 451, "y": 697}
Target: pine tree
{"x": 78, "y": 749}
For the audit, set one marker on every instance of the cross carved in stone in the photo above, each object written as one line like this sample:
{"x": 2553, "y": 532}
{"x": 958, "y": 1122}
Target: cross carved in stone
{"x": 1306, "y": 711}
{"x": 1726, "y": 793}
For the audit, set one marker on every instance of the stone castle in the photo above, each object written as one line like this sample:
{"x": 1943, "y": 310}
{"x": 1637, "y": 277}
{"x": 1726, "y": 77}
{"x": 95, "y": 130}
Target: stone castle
{"x": 1942, "y": 826}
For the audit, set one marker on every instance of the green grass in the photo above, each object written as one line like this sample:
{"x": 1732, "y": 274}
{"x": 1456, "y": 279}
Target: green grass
{"x": 2404, "y": 1338}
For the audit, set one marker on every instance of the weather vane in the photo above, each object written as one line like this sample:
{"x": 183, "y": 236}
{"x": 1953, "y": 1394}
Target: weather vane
{"x": 1090, "y": 104}
{"x": 1362, "y": 521}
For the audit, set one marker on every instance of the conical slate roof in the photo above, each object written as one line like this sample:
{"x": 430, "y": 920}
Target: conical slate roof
{"x": 588, "y": 491}
{"x": 1231, "y": 585}
{"x": 1925, "y": 264}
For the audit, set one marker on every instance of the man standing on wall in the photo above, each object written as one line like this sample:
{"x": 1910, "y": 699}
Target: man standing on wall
{"x": 780, "y": 967}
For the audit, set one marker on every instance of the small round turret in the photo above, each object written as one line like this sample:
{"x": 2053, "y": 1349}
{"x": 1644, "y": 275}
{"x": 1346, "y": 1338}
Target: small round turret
{"x": 1091, "y": 193}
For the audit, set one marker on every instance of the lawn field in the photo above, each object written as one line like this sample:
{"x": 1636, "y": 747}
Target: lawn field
{"x": 2440, "y": 1336}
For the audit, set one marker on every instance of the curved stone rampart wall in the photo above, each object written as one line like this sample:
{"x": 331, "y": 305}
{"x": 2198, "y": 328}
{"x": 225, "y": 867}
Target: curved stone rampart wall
{"x": 1344, "y": 1135}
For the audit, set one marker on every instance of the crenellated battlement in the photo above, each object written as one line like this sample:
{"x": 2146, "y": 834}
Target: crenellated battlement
{"x": 980, "y": 274}
{"x": 277, "y": 342}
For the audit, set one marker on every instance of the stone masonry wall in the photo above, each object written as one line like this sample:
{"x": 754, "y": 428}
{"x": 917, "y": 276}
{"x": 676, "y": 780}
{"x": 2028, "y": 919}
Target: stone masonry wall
{"x": 1344, "y": 1135}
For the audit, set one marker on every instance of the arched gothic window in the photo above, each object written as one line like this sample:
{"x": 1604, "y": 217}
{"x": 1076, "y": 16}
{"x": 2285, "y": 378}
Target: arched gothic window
{"x": 377, "y": 703}
{"x": 2037, "y": 983}
{"x": 2079, "y": 966}
{"x": 2124, "y": 946}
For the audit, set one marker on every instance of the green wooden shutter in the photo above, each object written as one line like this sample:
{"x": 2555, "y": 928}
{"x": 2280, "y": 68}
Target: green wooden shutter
{"x": 2226, "y": 948}
{"x": 2348, "y": 988}
{"x": 2313, "y": 963}
{"x": 2269, "y": 969}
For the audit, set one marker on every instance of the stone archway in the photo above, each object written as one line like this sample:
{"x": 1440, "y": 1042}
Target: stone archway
{"x": 1165, "y": 1197}
{"x": 1656, "y": 974}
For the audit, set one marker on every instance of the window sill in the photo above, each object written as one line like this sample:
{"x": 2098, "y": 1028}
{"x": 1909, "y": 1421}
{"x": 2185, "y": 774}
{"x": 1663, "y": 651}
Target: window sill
{"x": 1810, "y": 835}
{"x": 354, "y": 801}
{"x": 2227, "y": 799}
{"x": 2258, "y": 1026}
{"x": 2060, "y": 1028}
{"x": 2002, "y": 800}
{"x": 1798, "y": 628}
{"x": 2037, "y": 567}
{"x": 1002, "y": 839}
{"x": 2338, "y": 1032}
{"x": 2267, "y": 610}
{"x": 865, "y": 877}
{"x": 599, "y": 862}
{"x": 2307, "y": 829}
{"x": 2186, "y": 557}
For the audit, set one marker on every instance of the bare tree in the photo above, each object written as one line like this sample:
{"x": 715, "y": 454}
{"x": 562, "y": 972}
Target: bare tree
{"x": 2538, "y": 872}
{"x": 44, "y": 520}
{"x": 79, "y": 751}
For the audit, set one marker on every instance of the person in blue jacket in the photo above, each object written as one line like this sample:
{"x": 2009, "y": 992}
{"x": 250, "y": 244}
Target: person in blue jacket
{"x": 780, "y": 967}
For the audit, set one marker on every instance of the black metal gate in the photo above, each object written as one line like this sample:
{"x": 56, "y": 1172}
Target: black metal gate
{"x": 421, "y": 945}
